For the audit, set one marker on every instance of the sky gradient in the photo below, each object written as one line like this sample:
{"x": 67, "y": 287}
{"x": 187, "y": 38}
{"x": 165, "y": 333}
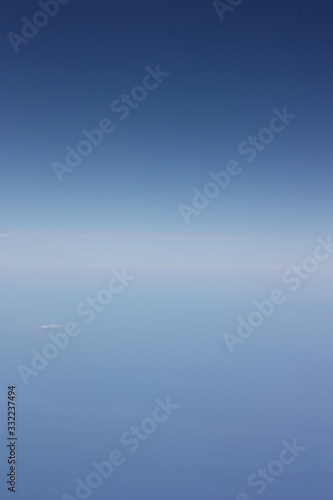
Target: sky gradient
{"x": 207, "y": 176}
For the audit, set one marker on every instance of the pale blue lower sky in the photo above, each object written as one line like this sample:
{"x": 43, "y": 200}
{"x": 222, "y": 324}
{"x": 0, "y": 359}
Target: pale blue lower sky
{"x": 162, "y": 336}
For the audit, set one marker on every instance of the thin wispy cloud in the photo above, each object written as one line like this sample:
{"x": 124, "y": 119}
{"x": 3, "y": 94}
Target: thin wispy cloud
{"x": 48, "y": 327}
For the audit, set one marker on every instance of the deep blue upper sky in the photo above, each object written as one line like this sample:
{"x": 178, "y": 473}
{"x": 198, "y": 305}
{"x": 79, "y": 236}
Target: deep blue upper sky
{"x": 225, "y": 79}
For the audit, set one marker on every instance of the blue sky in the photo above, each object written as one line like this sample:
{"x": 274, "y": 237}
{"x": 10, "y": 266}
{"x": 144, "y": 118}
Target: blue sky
{"x": 199, "y": 92}
{"x": 225, "y": 79}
